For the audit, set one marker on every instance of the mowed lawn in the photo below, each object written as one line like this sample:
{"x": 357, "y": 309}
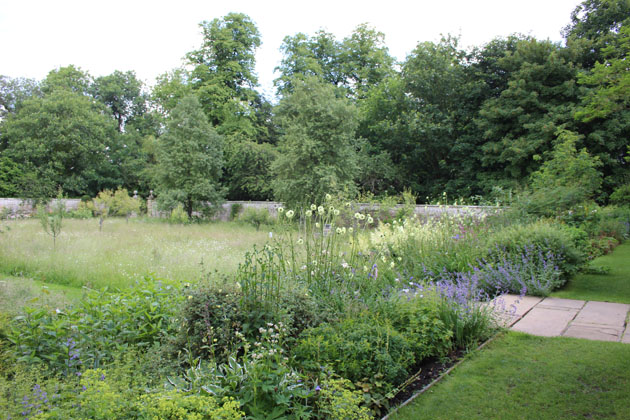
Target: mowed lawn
{"x": 610, "y": 287}
{"x": 519, "y": 376}
{"x": 123, "y": 252}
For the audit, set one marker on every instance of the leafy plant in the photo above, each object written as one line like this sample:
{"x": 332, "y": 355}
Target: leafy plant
{"x": 52, "y": 221}
{"x": 256, "y": 217}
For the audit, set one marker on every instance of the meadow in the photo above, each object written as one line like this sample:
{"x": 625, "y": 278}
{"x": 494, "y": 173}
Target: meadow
{"x": 123, "y": 252}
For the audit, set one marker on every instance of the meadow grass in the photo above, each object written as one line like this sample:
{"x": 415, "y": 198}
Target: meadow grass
{"x": 17, "y": 292}
{"x": 613, "y": 286}
{"x": 519, "y": 376}
{"x": 123, "y": 252}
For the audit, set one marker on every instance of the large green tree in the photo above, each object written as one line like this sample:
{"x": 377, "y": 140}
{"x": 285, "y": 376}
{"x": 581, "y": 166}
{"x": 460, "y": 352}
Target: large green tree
{"x": 122, "y": 93}
{"x": 64, "y": 139}
{"x": 223, "y": 75}
{"x": 317, "y": 151}
{"x": 190, "y": 159}
{"x": 519, "y": 125}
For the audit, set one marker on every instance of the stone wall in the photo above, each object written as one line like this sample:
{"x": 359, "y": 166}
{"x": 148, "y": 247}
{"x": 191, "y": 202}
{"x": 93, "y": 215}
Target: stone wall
{"x": 16, "y": 207}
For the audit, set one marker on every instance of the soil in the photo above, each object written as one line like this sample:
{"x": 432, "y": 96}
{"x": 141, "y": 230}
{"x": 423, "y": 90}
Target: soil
{"x": 430, "y": 370}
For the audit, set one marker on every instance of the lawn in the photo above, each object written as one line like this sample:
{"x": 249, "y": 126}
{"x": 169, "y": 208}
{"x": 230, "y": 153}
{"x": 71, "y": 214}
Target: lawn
{"x": 611, "y": 287}
{"x": 519, "y": 376}
{"x": 123, "y": 252}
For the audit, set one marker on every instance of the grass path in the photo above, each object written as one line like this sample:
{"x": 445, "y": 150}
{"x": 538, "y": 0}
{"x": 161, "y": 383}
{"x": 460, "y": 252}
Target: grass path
{"x": 519, "y": 376}
{"x": 611, "y": 287}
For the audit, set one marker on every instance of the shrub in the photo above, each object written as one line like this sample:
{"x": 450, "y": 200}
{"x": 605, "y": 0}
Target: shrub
{"x": 218, "y": 323}
{"x": 178, "y": 215}
{"x": 256, "y": 217}
{"x": 532, "y": 271}
{"x": 361, "y": 350}
{"x": 103, "y": 324}
{"x": 235, "y": 210}
{"x": 621, "y": 196}
{"x": 542, "y": 236}
{"x": 338, "y": 400}
{"x": 175, "y": 405}
{"x": 418, "y": 319}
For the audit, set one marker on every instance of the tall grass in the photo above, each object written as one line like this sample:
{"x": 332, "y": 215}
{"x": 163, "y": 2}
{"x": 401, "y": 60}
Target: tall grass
{"x": 123, "y": 252}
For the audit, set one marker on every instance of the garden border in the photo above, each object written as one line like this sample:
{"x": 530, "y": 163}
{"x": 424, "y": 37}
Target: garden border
{"x": 443, "y": 375}
{"x": 501, "y": 332}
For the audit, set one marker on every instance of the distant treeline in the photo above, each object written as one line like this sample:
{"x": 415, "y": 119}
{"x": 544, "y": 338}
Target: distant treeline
{"x": 348, "y": 118}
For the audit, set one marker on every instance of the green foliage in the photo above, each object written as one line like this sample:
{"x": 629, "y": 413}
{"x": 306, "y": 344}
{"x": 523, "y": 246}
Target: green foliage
{"x": 121, "y": 92}
{"x": 10, "y": 174}
{"x": 102, "y": 325}
{"x": 540, "y": 235}
{"x": 223, "y": 75}
{"x": 61, "y": 140}
{"x": 339, "y": 400}
{"x": 52, "y": 221}
{"x": 190, "y": 160}
{"x": 361, "y": 350}
{"x": 256, "y": 217}
{"x": 418, "y": 319}
{"x": 316, "y": 152}
{"x": 519, "y": 126}
{"x": 235, "y": 210}
{"x": 174, "y": 405}
{"x": 621, "y": 196}
{"x": 178, "y": 215}
{"x": 565, "y": 181}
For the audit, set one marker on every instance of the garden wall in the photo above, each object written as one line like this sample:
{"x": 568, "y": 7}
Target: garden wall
{"x": 16, "y": 207}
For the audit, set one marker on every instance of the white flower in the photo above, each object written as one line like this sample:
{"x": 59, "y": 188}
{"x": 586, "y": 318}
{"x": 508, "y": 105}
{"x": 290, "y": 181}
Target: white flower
{"x": 317, "y": 224}
{"x": 290, "y": 214}
{"x": 350, "y": 230}
{"x": 300, "y": 241}
{"x": 321, "y": 209}
{"x": 362, "y": 216}
{"x": 328, "y": 197}
{"x": 344, "y": 264}
{"x": 339, "y": 231}
{"x": 313, "y": 207}
{"x": 308, "y": 213}
{"x": 392, "y": 265}
{"x": 357, "y": 215}
{"x": 370, "y": 220}
{"x": 336, "y": 212}
{"x": 280, "y": 209}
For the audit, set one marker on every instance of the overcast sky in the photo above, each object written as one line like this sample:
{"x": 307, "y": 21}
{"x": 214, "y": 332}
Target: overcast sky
{"x": 151, "y": 37}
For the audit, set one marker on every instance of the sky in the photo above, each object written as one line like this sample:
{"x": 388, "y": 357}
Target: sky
{"x": 151, "y": 37}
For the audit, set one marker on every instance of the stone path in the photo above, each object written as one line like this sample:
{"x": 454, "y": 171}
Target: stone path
{"x": 553, "y": 317}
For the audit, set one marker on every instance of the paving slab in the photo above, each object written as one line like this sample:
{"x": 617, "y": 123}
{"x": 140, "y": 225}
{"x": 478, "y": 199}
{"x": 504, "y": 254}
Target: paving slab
{"x": 510, "y": 308}
{"x": 561, "y": 304}
{"x": 594, "y": 332}
{"x": 546, "y": 322}
{"x": 603, "y": 313}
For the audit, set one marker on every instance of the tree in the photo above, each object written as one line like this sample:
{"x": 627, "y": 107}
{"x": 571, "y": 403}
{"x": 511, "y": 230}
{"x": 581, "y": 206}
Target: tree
{"x": 190, "y": 159}
{"x": 68, "y": 78}
{"x": 316, "y": 152}
{"x": 122, "y": 93}
{"x": 14, "y": 91}
{"x": 358, "y": 63}
{"x": 415, "y": 119}
{"x": 223, "y": 68}
{"x": 594, "y": 25}
{"x": 64, "y": 140}
{"x": 568, "y": 179}
{"x": 519, "y": 125}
